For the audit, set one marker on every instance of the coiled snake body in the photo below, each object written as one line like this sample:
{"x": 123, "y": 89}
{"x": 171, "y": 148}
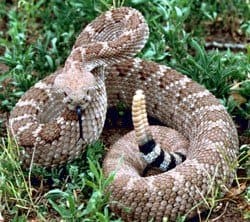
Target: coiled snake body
{"x": 46, "y": 124}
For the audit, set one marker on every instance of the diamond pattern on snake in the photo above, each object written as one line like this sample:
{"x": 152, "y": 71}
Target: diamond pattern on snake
{"x": 61, "y": 114}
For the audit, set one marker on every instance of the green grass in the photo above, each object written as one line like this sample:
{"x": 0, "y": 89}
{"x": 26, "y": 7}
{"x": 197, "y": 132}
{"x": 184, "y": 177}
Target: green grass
{"x": 75, "y": 191}
{"x": 37, "y": 37}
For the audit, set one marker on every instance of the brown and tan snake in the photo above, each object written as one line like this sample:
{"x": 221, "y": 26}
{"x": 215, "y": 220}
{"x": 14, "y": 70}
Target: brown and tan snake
{"x": 61, "y": 114}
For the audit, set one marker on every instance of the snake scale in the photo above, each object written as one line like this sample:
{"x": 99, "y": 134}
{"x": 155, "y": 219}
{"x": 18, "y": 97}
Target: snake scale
{"x": 61, "y": 114}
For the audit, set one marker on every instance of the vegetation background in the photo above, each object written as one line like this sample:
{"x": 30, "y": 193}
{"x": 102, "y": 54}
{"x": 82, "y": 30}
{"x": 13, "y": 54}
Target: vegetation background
{"x": 36, "y": 36}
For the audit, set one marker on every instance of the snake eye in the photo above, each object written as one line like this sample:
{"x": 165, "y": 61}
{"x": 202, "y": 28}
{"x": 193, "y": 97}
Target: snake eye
{"x": 85, "y": 91}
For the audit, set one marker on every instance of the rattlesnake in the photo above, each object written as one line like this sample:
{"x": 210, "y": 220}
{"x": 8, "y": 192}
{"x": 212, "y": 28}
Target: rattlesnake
{"x": 47, "y": 119}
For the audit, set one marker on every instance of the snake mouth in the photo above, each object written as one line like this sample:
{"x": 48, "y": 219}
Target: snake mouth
{"x": 79, "y": 115}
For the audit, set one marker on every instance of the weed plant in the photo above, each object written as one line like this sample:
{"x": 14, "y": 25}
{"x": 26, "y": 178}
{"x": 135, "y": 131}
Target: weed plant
{"x": 36, "y": 38}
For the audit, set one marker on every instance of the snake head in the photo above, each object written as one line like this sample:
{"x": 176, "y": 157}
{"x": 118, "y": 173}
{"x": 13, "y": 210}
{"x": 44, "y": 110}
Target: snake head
{"x": 79, "y": 98}
{"x": 77, "y": 88}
